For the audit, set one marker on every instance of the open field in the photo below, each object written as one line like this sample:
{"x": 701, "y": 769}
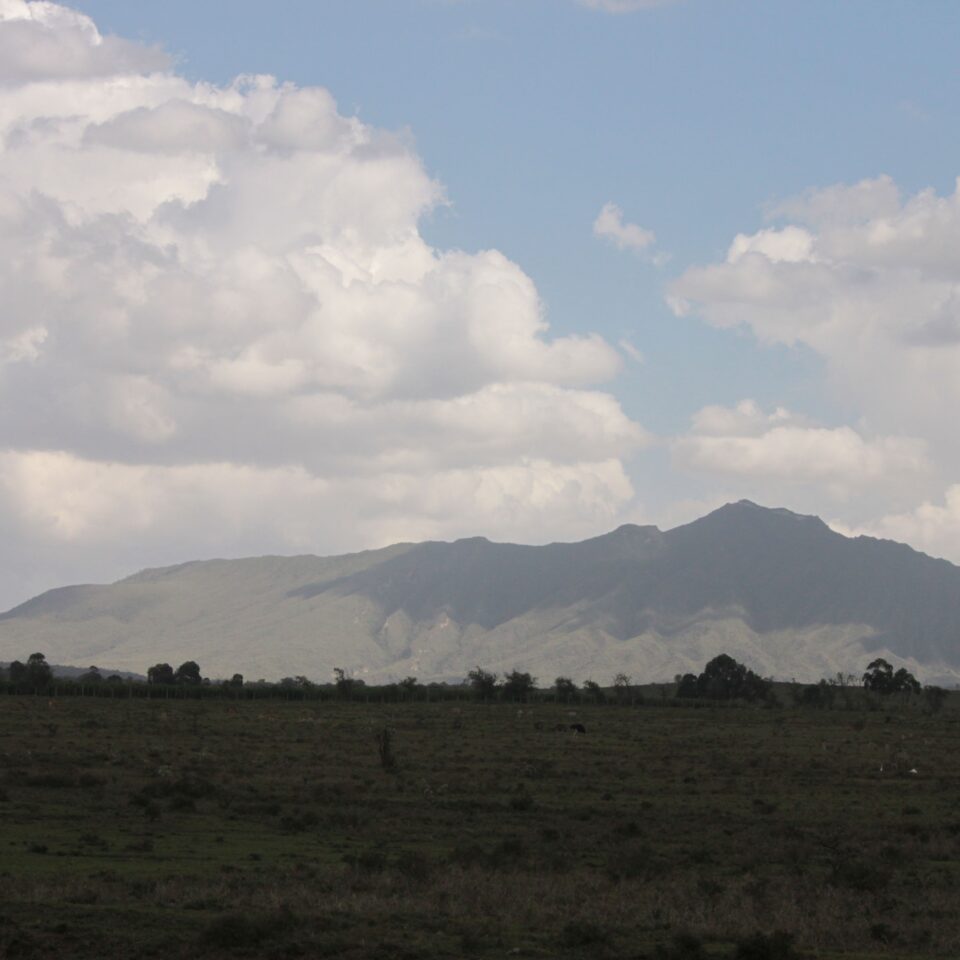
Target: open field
{"x": 152, "y": 828}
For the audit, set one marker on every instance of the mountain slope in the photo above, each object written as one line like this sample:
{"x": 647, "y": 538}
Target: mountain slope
{"x": 781, "y": 591}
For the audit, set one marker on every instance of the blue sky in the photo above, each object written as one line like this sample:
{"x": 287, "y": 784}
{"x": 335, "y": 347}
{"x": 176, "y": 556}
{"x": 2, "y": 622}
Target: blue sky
{"x": 795, "y": 313}
{"x": 693, "y": 117}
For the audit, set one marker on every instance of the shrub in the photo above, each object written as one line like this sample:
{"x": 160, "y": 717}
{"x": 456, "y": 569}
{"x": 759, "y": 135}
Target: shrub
{"x": 860, "y": 876}
{"x": 414, "y": 866}
{"x": 583, "y": 933}
{"x": 521, "y": 801}
{"x": 385, "y": 749}
{"x": 51, "y": 781}
{"x": 237, "y": 931}
{"x": 684, "y": 946}
{"x": 371, "y": 860}
{"x": 766, "y": 946}
{"x": 298, "y": 823}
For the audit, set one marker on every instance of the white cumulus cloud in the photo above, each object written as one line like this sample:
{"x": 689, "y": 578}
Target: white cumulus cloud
{"x": 610, "y": 225}
{"x": 223, "y": 332}
{"x": 931, "y": 527}
{"x": 745, "y": 442}
{"x": 869, "y": 281}
{"x": 45, "y": 41}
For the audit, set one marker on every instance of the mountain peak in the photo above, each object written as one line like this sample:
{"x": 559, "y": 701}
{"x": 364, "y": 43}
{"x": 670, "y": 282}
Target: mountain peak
{"x": 471, "y": 542}
{"x": 631, "y": 530}
{"x": 768, "y": 582}
{"x": 747, "y": 508}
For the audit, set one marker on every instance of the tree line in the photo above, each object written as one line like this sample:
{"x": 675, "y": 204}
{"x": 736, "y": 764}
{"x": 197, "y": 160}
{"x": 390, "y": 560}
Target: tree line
{"x": 722, "y": 679}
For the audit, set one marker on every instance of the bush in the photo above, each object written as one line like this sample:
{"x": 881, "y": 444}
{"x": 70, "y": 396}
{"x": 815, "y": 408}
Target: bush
{"x": 414, "y": 866}
{"x": 51, "y": 781}
{"x": 684, "y": 946}
{"x": 372, "y": 860}
{"x": 766, "y": 946}
{"x": 583, "y": 933}
{"x": 521, "y": 801}
{"x": 298, "y": 823}
{"x": 385, "y": 749}
{"x": 236, "y": 931}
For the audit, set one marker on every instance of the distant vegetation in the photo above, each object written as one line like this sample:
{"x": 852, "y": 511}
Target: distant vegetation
{"x": 723, "y": 680}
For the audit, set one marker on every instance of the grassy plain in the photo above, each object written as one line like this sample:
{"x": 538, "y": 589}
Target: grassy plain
{"x": 136, "y": 828}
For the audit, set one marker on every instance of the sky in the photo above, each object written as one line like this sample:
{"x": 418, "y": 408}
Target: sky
{"x": 323, "y": 276}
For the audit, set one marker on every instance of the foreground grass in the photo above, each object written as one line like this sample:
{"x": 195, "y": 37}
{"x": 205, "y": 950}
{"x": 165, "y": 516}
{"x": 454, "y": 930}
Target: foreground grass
{"x": 186, "y": 829}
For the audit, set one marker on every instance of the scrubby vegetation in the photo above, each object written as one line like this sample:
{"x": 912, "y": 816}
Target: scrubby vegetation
{"x": 668, "y": 828}
{"x": 723, "y": 679}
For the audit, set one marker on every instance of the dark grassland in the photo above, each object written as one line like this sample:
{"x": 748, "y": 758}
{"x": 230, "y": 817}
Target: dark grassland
{"x": 138, "y": 828}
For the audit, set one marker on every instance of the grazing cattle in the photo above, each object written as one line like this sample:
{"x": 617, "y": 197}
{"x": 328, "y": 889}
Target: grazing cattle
{"x": 578, "y": 728}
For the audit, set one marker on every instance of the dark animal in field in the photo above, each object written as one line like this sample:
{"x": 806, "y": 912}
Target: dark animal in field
{"x": 578, "y": 728}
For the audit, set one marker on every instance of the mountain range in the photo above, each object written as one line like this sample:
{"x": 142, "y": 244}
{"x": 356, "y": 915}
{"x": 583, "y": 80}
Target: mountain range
{"x": 777, "y": 590}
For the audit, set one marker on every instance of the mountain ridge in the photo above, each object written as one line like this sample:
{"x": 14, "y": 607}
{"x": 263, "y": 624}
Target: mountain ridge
{"x": 780, "y": 588}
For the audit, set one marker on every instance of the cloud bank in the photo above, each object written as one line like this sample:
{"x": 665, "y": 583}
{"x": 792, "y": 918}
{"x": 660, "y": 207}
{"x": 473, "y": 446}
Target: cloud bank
{"x": 787, "y": 449}
{"x": 223, "y": 332}
{"x": 869, "y": 281}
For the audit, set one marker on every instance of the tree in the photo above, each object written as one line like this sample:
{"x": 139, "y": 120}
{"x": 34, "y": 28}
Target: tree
{"x": 17, "y": 671}
{"x": 934, "y": 697}
{"x": 905, "y": 682}
{"x": 878, "y": 676}
{"x": 236, "y": 680}
{"x": 724, "y": 679}
{"x": 621, "y": 687}
{"x": 38, "y": 673}
{"x": 518, "y": 686}
{"x": 565, "y": 689}
{"x": 881, "y": 678}
{"x": 593, "y": 690}
{"x": 482, "y": 683}
{"x": 345, "y": 685}
{"x": 161, "y": 673}
{"x": 188, "y": 673}
{"x": 93, "y": 675}
{"x": 814, "y": 694}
